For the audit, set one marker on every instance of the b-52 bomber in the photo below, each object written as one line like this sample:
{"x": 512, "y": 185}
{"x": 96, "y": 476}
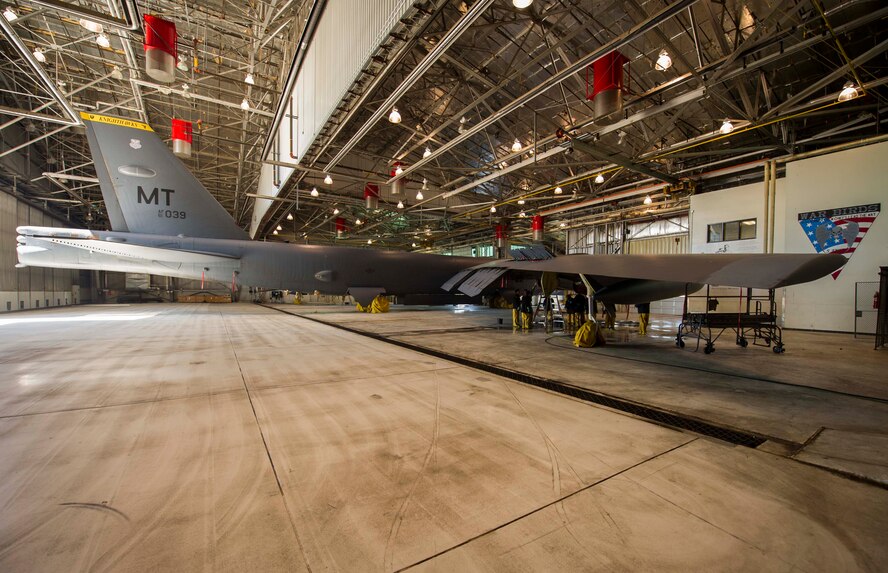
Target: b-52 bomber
{"x": 165, "y": 222}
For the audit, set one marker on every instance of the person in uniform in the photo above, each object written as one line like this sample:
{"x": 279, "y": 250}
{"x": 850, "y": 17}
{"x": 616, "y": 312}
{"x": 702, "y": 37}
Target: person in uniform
{"x": 526, "y": 310}
{"x": 516, "y": 310}
{"x": 644, "y": 317}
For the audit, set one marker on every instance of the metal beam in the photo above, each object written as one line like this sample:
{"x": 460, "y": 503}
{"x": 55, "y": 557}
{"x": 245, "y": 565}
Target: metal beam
{"x": 628, "y": 164}
{"x": 615, "y": 44}
{"x": 44, "y": 78}
{"x": 442, "y": 46}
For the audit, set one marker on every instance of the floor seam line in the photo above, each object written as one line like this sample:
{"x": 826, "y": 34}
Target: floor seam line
{"x": 265, "y": 445}
{"x": 547, "y": 505}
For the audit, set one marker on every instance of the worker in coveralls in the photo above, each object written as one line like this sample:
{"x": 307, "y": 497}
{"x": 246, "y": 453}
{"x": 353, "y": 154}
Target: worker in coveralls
{"x": 526, "y": 310}
{"x": 644, "y": 317}
{"x": 570, "y": 306}
{"x": 516, "y": 310}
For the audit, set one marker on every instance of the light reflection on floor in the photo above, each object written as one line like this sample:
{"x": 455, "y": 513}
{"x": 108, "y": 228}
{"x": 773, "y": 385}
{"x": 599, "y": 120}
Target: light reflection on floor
{"x": 81, "y": 318}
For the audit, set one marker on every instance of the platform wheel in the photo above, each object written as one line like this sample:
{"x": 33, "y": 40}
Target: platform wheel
{"x": 778, "y": 349}
{"x": 742, "y": 342}
{"x": 709, "y": 349}
{"x": 679, "y": 342}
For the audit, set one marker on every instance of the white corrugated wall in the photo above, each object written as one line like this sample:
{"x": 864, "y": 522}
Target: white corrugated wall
{"x": 668, "y": 245}
{"x": 347, "y": 35}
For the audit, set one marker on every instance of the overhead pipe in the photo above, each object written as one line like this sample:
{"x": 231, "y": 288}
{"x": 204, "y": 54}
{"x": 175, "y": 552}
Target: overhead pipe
{"x": 771, "y": 206}
{"x": 767, "y": 198}
{"x": 615, "y": 44}
{"x": 311, "y": 24}
{"x": 442, "y": 46}
{"x": 45, "y": 80}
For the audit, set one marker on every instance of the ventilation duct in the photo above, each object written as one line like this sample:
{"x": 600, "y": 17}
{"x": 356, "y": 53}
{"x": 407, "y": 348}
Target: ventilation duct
{"x": 607, "y": 84}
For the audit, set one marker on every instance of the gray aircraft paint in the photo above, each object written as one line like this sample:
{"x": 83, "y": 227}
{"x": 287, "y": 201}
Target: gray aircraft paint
{"x": 165, "y": 222}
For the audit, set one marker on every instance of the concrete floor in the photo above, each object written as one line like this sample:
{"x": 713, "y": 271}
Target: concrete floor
{"x": 235, "y": 437}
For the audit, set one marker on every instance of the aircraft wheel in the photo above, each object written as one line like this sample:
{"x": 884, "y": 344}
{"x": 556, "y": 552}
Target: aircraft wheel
{"x": 709, "y": 349}
{"x": 778, "y": 349}
{"x": 679, "y": 342}
{"x": 743, "y": 343}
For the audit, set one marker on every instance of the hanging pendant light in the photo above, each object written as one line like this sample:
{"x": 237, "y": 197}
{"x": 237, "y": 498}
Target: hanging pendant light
{"x": 664, "y": 62}
{"x": 493, "y": 208}
{"x": 245, "y": 104}
{"x": 249, "y": 79}
{"x": 516, "y": 146}
{"x": 599, "y": 178}
{"x": 328, "y": 180}
{"x": 426, "y": 153}
{"x": 648, "y": 200}
{"x": 419, "y": 196}
{"x": 400, "y": 204}
{"x": 289, "y": 216}
{"x": 726, "y": 127}
{"x": 849, "y": 92}
{"x": 314, "y": 192}
{"x": 394, "y": 116}
{"x": 559, "y": 190}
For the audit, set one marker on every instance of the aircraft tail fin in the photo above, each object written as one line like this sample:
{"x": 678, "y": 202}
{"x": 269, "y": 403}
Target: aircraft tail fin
{"x": 149, "y": 190}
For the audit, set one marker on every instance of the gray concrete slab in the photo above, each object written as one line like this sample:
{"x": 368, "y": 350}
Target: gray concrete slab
{"x": 791, "y": 397}
{"x": 859, "y": 454}
{"x": 233, "y": 437}
{"x": 702, "y": 507}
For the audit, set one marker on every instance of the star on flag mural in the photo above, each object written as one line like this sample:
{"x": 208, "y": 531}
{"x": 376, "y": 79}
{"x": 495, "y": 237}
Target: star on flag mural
{"x": 839, "y": 231}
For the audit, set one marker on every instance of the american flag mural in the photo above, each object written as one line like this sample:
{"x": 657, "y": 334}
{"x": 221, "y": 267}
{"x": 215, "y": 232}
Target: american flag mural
{"x": 839, "y": 231}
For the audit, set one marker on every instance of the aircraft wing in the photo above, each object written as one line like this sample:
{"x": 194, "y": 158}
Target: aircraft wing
{"x": 763, "y": 271}
{"x": 80, "y": 248}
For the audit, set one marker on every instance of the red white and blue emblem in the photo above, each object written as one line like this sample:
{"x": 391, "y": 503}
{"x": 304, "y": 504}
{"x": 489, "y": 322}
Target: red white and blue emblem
{"x": 839, "y": 231}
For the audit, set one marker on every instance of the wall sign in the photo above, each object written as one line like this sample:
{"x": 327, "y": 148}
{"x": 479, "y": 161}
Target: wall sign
{"x": 839, "y": 231}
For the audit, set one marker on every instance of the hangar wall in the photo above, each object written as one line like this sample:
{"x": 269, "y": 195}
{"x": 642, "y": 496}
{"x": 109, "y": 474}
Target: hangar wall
{"x": 846, "y": 179}
{"x": 22, "y": 289}
{"x": 843, "y": 179}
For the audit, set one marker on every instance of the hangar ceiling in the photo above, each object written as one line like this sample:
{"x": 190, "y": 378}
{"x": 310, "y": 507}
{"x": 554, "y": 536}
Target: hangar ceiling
{"x": 774, "y": 69}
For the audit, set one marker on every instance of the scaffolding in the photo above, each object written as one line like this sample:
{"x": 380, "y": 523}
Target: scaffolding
{"x": 755, "y": 322}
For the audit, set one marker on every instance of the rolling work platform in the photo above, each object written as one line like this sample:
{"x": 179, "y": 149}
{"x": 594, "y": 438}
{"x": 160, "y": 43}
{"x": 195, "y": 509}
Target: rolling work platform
{"x": 755, "y": 322}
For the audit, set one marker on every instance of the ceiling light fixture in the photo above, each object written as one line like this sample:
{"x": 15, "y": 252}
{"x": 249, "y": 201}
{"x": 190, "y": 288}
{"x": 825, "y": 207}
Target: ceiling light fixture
{"x": 328, "y": 180}
{"x": 419, "y": 196}
{"x": 400, "y": 204}
{"x": 249, "y": 79}
{"x": 664, "y": 62}
{"x": 521, "y": 201}
{"x": 289, "y": 216}
{"x": 116, "y": 73}
{"x": 10, "y": 14}
{"x": 522, "y": 214}
{"x": 493, "y": 208}
{"x": 395, "y": 117}
{"x": 93, "y": 27}
{"x": 516, "y": 146}
{"x": 521, "y": 3}
{"x": 398, "y": 170}
{"x": 599, "y": 178}
{"x": 335, "y": 211}
{"x": 279, "y": 228}
{"x": 245, "y": 105}
{"x": 358, "y": 222}
{"x": 39, "y": 55}
{"x": 413, "y": 245}
{"x": 849, "y": 92}
{"x": 426, "y": 153}
{"x": 103, "y": 41}
{"x": 274, "y": 232}
{"x": 369, "y": 241}
{"x": 182, "y": 64}
{"x": 562, "y": 224}
{"x": 559, "y": 190}
{"x": 648, "y": 200}
{"x": 314, "y": 192}
{"x": 726, "y": 128}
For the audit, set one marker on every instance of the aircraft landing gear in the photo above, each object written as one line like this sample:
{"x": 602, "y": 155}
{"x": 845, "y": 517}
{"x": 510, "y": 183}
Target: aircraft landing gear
{"x": 709, "y": 348}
